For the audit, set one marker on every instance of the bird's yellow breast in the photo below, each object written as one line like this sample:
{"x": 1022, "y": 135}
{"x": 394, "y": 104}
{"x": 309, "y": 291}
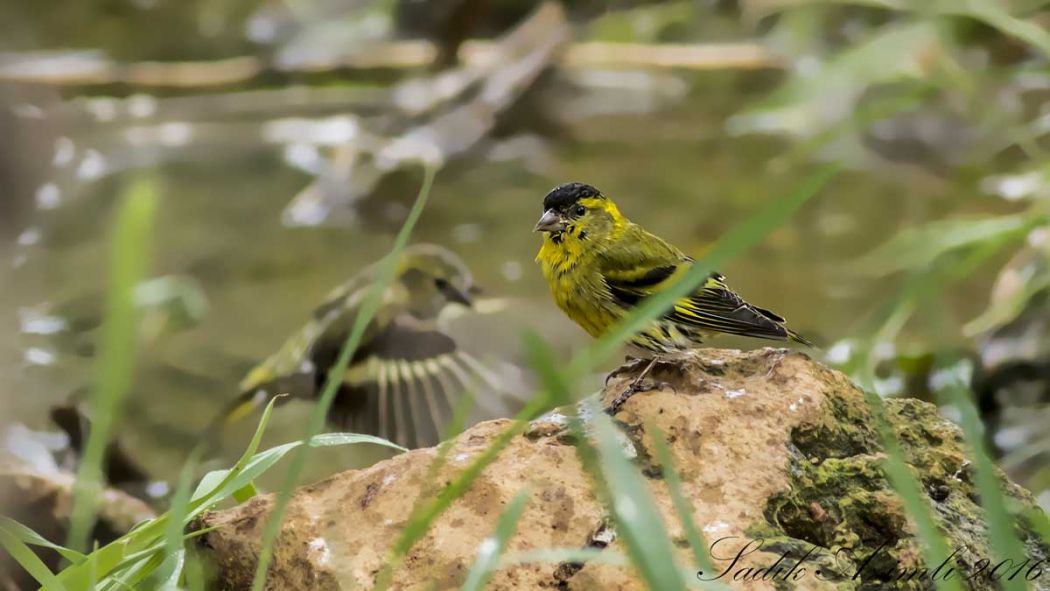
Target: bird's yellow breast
{"x": 576, "y": 284}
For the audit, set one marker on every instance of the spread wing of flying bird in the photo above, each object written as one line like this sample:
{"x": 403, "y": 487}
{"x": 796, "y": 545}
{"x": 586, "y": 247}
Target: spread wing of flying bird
{"x": 403, "y": 382}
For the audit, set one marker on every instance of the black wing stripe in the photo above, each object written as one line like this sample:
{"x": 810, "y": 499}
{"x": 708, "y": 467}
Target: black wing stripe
{"x": 626, "y": 298}
{"x": 398, "y": 341}
{"x": 651, "y": 278}
{"x": 769, "y": 314}
{"x": 755, "y": 326}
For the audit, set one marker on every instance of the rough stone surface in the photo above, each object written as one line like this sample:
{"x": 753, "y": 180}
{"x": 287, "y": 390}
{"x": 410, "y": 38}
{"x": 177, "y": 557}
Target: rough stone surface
{"x": 770, "y": 446}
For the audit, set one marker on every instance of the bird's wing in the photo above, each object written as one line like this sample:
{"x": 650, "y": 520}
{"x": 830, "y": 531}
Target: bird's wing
{"x": 715, "y": 307}
{"x": 639, "y": 264}
{"x": 402, "y": 383}
{"x": 343, "y": 296}
{"x": 298, "y": 368}
{"x": 643, "y": 264}
{"x": 405, "y": 383}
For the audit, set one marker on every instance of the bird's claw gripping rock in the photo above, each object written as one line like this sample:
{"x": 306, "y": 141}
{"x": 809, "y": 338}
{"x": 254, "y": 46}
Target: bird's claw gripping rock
{"x": 629, "y": 366}
{"x": 637, "y": 386}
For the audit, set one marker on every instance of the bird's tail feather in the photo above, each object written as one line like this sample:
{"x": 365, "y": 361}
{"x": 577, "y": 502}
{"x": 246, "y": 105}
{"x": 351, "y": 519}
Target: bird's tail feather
{"x": 794, "y": 336}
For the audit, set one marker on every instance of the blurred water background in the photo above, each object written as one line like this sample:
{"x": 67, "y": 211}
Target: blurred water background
{"x": 282, "y": 137}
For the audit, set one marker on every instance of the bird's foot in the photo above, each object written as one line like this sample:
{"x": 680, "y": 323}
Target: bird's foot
{"x": 637, "y": 386}
{"x": 630, "y": 366}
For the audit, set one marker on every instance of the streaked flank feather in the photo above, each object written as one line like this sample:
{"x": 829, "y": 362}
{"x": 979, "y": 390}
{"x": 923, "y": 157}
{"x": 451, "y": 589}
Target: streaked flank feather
{"x": 600, "y": 266}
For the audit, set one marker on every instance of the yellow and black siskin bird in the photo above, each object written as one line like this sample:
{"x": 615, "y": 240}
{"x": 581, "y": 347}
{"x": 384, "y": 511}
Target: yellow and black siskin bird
{"x": 406, "y": 375}
{"x": 599, "y": 266}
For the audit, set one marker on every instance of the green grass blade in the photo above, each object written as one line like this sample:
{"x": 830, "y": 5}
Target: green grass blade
{"x": 542, "y": 360}
{"x": 919, "y": 247}
{"x": 32, "y": 538}
{"x": 137, "y": 544}
{"x": 29, "y": 561}
{"x": 422, "y": 515}
{"x": 126, "y": 557}
{"x": 1039, "y": 521}
{"x": 213, "y": 481}
{"x": 995, "y": 15}
{"x": 491, "y": 549}
{"x": 638, "y": 520}
{"x": 1002, "y": 535}
{"x": 82, "y": 577}
{"x": 992, "y": 13}
{"x": 697, "y": 542}
{"x": 368, "y": 309}
{"x": 558, "y": 555}
{"x": 425, "y": 515}
{"x": 180, "y": 504}
{"x": 935, "y": 549}
{"x": 129, "y": 253}
{"x": 263, "y": 461}
{"x": 923, "y": 286}
{"x": 171, "y": 583}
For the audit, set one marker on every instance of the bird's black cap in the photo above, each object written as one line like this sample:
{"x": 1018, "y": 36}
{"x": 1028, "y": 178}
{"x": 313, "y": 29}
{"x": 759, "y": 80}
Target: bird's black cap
{"x": 562, "y": 196}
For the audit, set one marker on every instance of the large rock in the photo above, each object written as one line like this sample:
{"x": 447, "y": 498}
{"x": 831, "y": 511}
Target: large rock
{"x": 771, "y": 447}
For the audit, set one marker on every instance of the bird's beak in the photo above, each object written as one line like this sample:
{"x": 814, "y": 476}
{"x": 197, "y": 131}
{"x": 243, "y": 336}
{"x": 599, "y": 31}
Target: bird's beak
{"x": 454, "y": 294}
{"x": 550, "y": 222}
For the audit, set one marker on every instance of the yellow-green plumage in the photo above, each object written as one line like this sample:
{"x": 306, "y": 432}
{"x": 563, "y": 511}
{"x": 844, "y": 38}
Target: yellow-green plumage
{"x": 600, "y": 266}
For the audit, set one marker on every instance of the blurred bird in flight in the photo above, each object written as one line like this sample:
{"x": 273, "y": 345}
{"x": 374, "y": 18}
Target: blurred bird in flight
{"x": 406, "y": 376}
{"x": 600, "y": 266}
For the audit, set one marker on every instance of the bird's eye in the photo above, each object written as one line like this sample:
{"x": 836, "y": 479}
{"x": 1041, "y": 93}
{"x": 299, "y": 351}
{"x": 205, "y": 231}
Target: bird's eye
{"x": 441, "y": 283}
{"x": 580, "y": 210}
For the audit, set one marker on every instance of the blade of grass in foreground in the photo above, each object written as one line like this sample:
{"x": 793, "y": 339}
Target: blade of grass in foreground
{"x": 617, "y": 483}
{"x": 369, "y": 307}
{"x": 127, "y": 560}
{"x": 924, "y": 286}
{"x": 935, "y": 549}
{"x": 419, "y": 507}
{"x": 144, "y": 540}
{"x": 638, "y": 520}
{"x": 421, "y": 519}
{"x": 1002, "y": 536}
{"x": 129, "y": 253}
{"x": 178, "y": 509}
{"x": 1005, "y": 546}
{"x": 29, "y": 561}
{"x": 491, "y": 548}
{"x": 697, "y": 543}
{"x": 32, "y": 538}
